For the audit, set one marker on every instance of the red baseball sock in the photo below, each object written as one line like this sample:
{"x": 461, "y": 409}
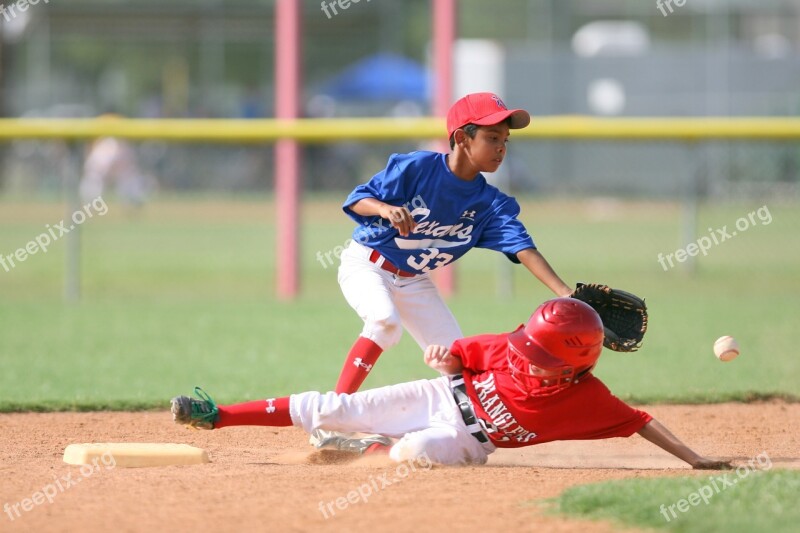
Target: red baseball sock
{"x": 271, "y": 412}
{"x": 359, "y": 362}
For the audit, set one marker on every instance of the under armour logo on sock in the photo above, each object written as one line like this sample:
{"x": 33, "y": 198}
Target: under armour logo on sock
{"x": 271, "y": 405}
{"x": 358, "y": 362}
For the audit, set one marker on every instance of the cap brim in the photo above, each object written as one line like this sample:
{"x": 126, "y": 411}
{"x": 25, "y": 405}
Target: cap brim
{"x": 519, "y": 118}
{"x": 531, "y": 350}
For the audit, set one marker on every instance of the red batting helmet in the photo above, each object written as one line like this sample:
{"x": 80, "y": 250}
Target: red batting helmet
{"x": 563, "y": 338}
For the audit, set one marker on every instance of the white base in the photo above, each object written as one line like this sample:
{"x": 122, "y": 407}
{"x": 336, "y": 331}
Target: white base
{"x": 134, "y": 454}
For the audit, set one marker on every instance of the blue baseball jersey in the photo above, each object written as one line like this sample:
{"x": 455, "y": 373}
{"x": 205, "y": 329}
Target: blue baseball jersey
{"x": 452, "y": 215}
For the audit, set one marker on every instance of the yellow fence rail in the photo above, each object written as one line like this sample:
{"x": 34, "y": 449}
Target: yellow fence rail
{"x": 689, "y": 130}
{"x": 389, "y": 129}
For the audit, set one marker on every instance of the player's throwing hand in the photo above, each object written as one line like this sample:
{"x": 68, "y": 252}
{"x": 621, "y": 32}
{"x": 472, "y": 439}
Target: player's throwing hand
{"x": 400, "y": 218}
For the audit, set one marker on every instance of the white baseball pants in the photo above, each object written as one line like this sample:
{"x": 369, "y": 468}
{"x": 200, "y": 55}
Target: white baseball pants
{"x": 422, "y": 414}
{"x": 387, "y": 303}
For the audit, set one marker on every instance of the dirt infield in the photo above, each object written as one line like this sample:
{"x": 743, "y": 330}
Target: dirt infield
{"x": 263, "y": 479}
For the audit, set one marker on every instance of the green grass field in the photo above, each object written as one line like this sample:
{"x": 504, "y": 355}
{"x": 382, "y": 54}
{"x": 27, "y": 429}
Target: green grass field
{"x": 752, "y": 501}
{"x": 182, "y": 294}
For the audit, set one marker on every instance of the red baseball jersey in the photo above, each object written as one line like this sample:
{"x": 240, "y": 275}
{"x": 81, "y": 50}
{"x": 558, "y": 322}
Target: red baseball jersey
{"x": 585, "y": 410}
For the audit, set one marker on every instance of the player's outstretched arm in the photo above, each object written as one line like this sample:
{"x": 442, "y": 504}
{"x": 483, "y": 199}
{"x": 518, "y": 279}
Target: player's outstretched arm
{"x": 442, "y": 360}
{"x": 539, "y": 267}
{"x": 663, "y": 438}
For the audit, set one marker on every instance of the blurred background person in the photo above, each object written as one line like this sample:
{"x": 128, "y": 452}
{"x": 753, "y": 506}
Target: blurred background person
{"x": 112, "y": 162}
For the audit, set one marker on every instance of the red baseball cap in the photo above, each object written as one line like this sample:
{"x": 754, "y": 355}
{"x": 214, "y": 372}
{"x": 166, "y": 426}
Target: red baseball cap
{"x": 484, "y": 109}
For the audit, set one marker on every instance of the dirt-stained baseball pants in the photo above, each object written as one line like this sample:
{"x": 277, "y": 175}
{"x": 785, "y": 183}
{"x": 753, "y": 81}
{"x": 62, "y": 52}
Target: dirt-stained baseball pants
{"x": 422, "y": 414}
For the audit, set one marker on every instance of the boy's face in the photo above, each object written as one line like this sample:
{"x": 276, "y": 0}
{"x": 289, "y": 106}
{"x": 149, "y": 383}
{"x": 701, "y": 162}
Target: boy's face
{"x": 487, "y": 150}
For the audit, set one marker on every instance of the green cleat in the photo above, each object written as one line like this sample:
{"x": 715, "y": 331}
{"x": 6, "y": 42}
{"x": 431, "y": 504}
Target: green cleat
{"x": 191, "y": 412}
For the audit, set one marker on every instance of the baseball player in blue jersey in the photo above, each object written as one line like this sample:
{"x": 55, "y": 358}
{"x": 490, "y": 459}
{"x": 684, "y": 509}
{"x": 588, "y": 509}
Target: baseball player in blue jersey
{"x": 422, "y": 212}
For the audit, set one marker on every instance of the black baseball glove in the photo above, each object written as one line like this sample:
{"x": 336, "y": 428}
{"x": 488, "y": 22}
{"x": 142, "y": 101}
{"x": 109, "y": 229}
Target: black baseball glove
{"x": 624, "y": 315}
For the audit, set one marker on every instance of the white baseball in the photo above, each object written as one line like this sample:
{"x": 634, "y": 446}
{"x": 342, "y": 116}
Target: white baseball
{"x": 726, "y": 348}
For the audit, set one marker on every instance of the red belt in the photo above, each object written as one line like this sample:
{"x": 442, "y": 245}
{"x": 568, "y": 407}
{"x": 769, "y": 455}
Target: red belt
{"x": 376, "y": 257}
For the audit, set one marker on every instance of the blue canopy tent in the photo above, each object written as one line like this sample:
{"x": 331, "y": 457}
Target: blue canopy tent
{"x": 380, "y": 78}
